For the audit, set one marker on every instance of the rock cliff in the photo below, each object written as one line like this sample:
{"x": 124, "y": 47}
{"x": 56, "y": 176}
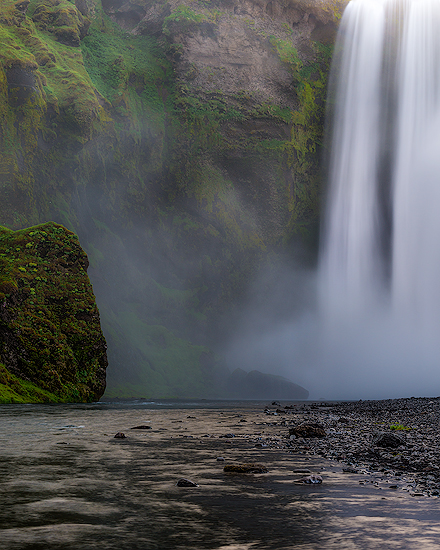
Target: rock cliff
{"x": 181, "y": 141}
{"x": 51, "y": 344}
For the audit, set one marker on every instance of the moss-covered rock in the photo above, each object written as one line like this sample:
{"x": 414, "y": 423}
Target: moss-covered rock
{"x": 51, "y": 344}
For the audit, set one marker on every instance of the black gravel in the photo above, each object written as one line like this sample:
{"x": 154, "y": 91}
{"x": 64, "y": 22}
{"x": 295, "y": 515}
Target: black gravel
{"x": 398, "y": 437}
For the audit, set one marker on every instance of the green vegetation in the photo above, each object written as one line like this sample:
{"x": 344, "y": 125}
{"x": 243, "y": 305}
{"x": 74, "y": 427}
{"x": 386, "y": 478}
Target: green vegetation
{"x": 51, "y": 335}
{"x": 184, "y": 18}
{"x": 177, "y": 191}
{"x": 399, "y": 428}
{"x": 167, "y": 366}
{"x": 17, "y": 390}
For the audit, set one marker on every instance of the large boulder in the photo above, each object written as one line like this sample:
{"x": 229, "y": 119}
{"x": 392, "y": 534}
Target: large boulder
{"x": 50, "y": 333}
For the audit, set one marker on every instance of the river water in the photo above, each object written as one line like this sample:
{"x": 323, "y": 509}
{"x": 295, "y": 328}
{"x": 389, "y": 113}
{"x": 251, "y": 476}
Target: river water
{"x": 67, "y": 483}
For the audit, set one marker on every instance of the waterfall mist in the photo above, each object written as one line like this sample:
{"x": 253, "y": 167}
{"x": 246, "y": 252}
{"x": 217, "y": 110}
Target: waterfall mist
{"x": 375, "y": 332}
{"x": 380, "y": 259}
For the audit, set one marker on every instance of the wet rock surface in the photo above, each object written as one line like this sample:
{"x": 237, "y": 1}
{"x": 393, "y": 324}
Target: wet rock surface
{"x": 186, "y": 483}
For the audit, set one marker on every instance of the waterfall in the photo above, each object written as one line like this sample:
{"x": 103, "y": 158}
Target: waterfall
{"x": 350, "y": 260}
{"x": 379, "y": 266}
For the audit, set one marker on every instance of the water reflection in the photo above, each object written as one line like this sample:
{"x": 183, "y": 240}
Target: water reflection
{"x": 67, "y": 484}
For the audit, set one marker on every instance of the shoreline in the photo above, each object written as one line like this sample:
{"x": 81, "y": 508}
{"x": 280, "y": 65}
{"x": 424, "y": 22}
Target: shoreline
{"x": 68, "y": 483}
{"x": 400, "y": 437}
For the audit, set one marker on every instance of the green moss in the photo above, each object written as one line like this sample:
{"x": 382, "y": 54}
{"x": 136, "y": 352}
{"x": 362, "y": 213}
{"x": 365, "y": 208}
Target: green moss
{"x": 50, "y": 330}
{"x": 17, "y": 390}
{"x": 181, "y": 176}
{"x": 399, "y": 428}
{"x": 183, "y": 18}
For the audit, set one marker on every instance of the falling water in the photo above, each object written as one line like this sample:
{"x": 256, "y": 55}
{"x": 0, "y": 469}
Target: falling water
{"x": 380, "y": 259}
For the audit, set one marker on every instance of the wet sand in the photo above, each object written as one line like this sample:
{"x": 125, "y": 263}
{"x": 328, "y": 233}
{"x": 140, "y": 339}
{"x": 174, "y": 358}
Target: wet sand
{"x": 67, "y": 483}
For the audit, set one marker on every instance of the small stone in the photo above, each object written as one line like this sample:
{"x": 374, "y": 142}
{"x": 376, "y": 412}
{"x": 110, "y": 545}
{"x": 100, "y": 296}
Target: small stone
{"x": 220, "y": 459}
{"x": 186, "y": 483}
{"x": 229, "y": 436}
{"x": 310, "y": 480}
{"x": 141, "y": 427}
{"x": 350, "y": 470}
{"x": 120, "y": 435}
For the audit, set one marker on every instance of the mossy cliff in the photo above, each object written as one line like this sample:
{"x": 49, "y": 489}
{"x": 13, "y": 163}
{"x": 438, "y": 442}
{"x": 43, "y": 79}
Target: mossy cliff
{"x": 181, "y": 142}
{"x": 51, "y": 344}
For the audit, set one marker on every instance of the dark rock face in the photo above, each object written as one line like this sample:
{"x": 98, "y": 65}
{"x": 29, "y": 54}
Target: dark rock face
{"x": 258, "y": 385}
{"x": 50, "y": 333}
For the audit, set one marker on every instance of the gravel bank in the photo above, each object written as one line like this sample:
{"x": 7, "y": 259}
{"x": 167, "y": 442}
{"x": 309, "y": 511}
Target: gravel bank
{"x": 397, "y": 438}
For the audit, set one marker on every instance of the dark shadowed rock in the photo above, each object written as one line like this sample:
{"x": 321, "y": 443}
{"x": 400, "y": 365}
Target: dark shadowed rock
{"x": 259, "y": 385}
{"x": 308, "y": 430}
{"x": 245, "y": 469}
{"x": 310, "y": 480}
{"x": 186, "y": 483}
{"x": 120, "y": 435}
{"x": 141, "y": 427}
{"x": 384, "y": 439}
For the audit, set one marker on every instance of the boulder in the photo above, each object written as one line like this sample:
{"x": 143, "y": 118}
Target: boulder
{"x": 385, "y": 439}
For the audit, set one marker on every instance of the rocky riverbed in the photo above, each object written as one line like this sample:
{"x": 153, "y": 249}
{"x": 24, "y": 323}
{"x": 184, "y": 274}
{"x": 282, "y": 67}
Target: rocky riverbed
{"x": 218, "y": 476}
{"x": 397, "y": 438}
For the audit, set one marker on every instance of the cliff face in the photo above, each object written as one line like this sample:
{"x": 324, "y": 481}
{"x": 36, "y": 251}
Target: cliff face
{"x": 51, "y": 344}
{"x": 181, "y": 141}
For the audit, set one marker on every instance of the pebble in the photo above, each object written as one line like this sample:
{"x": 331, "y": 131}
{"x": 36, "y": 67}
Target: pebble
{"x": 120, "y": 435}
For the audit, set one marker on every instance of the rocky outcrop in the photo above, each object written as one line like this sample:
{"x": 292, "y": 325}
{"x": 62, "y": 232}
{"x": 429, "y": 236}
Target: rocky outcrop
{"x": 181, "y": 142}
{"x": 50, "y": 333}
{"x": 259, "y": 385}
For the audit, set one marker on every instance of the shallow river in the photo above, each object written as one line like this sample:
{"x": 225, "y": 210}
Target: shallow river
{"x": 67, "y": 483}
